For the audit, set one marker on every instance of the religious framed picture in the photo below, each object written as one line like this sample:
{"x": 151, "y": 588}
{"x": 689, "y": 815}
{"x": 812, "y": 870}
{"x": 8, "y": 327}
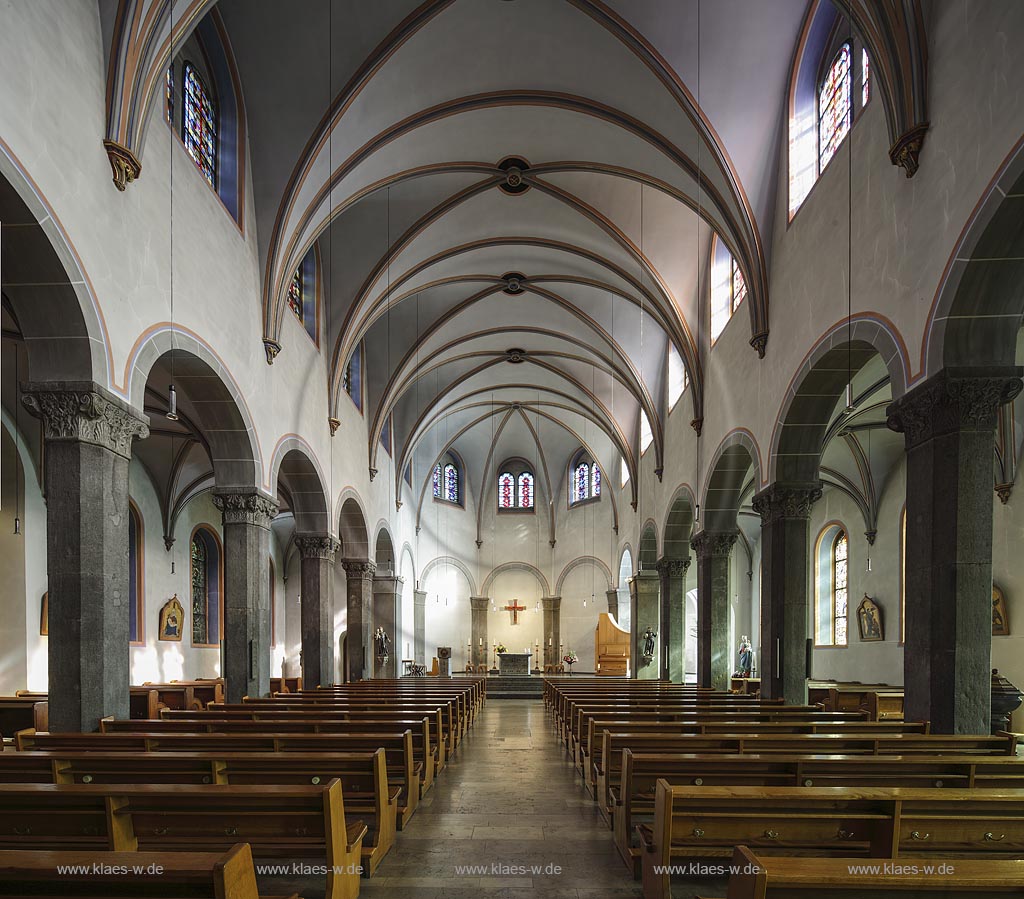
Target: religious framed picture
{"x": 44, "y": 615}
{"x": 171, "y": 617}
{"x": 1000, "y": 620}
{"x": 869, "y": 619}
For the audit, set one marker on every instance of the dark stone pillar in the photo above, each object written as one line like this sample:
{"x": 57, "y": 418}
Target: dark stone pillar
{"x": 246, "y": 515}
{"x": 478, "y": 630}
{"x": 359, "y": 617}
{"x": 419, "y": 627}
{"x": 613, "y": 603}
{"x": 713, "y": 549}
{"x": 317, "y": 555}
{"x": 88, "y": 442}
{"x": 387, "y": 599}
{"x": 552, "y": 608}
{"x": 785, "y": 571}
{"x": 645, "y": 611}
{"x": 948, "y": 423}
{"x": 673, "y": 618}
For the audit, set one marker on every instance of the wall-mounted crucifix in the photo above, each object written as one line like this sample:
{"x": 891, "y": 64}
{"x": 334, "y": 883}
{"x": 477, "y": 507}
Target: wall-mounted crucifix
{"x": 515, "y": 609}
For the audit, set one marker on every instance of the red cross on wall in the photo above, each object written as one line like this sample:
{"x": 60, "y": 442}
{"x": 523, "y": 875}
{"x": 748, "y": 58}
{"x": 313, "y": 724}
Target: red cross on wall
{"x": 515, "y": 609}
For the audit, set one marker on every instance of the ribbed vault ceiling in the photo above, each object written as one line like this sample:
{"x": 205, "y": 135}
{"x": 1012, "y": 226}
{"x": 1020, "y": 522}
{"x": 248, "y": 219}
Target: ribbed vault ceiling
{"x": 384, "y": 154}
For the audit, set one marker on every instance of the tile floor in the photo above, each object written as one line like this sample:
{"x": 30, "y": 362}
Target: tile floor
{"x": 508, "y": 798}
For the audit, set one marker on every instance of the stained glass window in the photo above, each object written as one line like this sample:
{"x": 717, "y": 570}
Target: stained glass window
{"x": 581, "y": 482}
{"x": 295, "y": 294}
{"x": 169, "y": 92}
{"x": 200, "y": 592}
{"x": 199, "y": 124}
{"x": 865, "y": 78}
{"x": 451, "y": 483}
{"x": 437, "y": 481}
{"x": 506, "y": 491}
{"x": 595, "y": 481}
{"x": 739, "y": 286}
{"x": 834, "y": 106}
{"x": 840, "y": 587}
{"x": 526, "y": 490}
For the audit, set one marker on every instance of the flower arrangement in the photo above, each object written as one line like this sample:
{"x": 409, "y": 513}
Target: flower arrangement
{"x": 500, "y": 648}
{"x": 570, "y": 658}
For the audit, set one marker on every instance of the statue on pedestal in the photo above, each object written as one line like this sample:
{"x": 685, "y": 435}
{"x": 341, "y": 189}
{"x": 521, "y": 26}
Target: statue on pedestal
{"x": 649, "y": 636}
{"x": 746, "y": 658}
{"x": 382, "y": 643}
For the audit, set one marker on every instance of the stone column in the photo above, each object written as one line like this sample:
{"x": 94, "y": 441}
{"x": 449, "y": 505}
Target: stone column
{"x": 673, "y": 618}
{"x": 88, "y": 437}
{"x": 419, "y": 626}
{"x": 713, "y": 549}
{"x": 552, "y": 608}
{"x": 613, "y": 603}
{"x": 948, "y": 423}
{"x": 478, "y": 630}
{"x": 387, "y": 606}
{"x": 785, "y": 605}
{"x": 317, "y": 561}
{"x": 246, "y": 515}
{"x": 645, "y": 611}
{"x": 359, "y": 616}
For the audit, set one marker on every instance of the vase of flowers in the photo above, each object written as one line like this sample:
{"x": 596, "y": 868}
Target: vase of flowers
{"x": 500, "y": 648}
{"x": 570, "y": 659}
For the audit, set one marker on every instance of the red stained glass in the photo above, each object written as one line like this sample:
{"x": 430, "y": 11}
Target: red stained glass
{"x": 834, "y": 106}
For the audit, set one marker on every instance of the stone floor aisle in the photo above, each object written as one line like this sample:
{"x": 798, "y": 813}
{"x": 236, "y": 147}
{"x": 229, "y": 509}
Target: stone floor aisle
{"x": 508, "y": 798}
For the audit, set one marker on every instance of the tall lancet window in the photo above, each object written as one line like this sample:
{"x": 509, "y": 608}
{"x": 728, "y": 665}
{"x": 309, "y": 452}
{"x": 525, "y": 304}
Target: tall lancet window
{"x": 584, "y": 478}
{"x": 506, "y": 491}
{"x": 525, "y": 493}
{"x": 199, "y": 124}
{"x": 447, "y": 480}
{"x": 835, "y": 108}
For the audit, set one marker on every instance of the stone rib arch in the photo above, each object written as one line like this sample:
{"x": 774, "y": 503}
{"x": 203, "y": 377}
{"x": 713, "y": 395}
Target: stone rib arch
{"x": 295, "y": 467}
{"x": 516, "y": 566}
{"x": 727, "y": 476}
{"x": 579, "y": 561}
{"x": 801, "y": 426}
{"x": 439, "y": 561}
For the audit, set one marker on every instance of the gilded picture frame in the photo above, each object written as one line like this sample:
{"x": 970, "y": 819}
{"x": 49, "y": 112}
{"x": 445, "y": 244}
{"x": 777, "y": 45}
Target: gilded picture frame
{"x": 869, "y": 620}
{"x": 172, "y": 620}
{"x": 1000, "y": 617}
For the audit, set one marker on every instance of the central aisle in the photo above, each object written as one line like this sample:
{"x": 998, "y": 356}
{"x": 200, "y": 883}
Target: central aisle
{"x": 508, "y": 798}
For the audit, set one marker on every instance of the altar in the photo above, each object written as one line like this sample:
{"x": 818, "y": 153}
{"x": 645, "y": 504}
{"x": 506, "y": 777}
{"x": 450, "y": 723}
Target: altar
{"x": 517, "y": 663}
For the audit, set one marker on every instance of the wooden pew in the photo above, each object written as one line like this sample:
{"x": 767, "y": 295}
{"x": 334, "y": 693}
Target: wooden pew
{"x": 278, "y": 821}
{"x": 427, "y": 747}
{"x": 19, "y": 712}
{"x": 349, "y": 760}
{"x": 285, "y": 684}
{"x": 206, "y": 875}
{"x": 632, "y": 798}
{"x": 876, "y": 822}
{"x": 884, "y": 705}
{"x": 614, "y": 744}
{"x": 760, "y": 876}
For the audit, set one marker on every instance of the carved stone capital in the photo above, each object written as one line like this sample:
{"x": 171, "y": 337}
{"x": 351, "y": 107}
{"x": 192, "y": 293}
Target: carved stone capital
{"x": 786, "y": 502}
{"x": 551, "y": 603}
{"x": 317, "y": 546}
{"x": 907, "y": 148}
{"x": 673, "y": 567}
{"x": 479, "y": 603}
{"x": 698, "y": 425}
{"x": 81, "y": 412}
{"x": 760, "y": 343}
{"x": 334, "y": 424}
{"x": 245, "y": 507}
{"x": 359, "y": 568}
{"x": 123, "y": 163}
{"x": 708, "y": 544}
{"x": 272, "y": 348}
{"x": 1004, "y": 491}
{"x": 953, "y": 400}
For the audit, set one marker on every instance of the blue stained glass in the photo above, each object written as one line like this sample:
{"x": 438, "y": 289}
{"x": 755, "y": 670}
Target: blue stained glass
{"x": 451, "y": 483}
{"x": 595, "y": 477}
{"x": 582, "y": 482}
{"x": 437, "y": 480}
{"x": 199, "y": 124}
{"x": 834, "y": 106}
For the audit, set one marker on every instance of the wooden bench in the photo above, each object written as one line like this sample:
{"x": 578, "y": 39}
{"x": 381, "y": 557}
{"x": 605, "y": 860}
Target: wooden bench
{"x": 875, "y": 822}
{"x": 632, "y": 798}
{"x": 884, "y": 705}
{"x": 427, "y": 747}
{"x": 278, "y": 821}
{"x": 609, "y": 773}
{"x": 285, "y": 684}
{"x": 19, "y": 712}
{"x": 130, "y": 875}
{"x": 759, "y": 876}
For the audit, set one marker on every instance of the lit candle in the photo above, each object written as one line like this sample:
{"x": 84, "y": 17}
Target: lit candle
{"x": 551, "y": 641}
{"x": 481, "y": 641}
